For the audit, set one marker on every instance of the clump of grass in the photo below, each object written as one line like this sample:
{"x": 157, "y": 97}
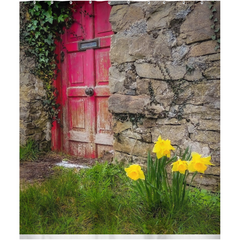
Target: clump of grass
{"x": 101, "y": 200}
{"x": 30, "y": 151}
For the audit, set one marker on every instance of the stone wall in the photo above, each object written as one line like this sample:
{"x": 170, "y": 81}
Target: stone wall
{"x": 165, "y": 80}
{"x": 34, "y": 123}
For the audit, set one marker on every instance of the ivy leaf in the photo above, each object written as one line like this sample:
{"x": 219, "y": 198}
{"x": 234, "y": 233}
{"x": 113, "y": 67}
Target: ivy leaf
{"x": 46, "y": 53}
{"x": 211, "y": 17}
{"x": 48, "y": 41}
{"x": 37, "y": 34}
{"x": 215, "y": 20}
{"x": 212, "y": 27}
{"x": 214, "y": 10}
{"x": 35, "y": 22}
{"x": 213, "y": 37}
{"x": 49, "y": 17}
{"x": 37, "y": 6}
{"x": 217, "y": 47}
{"x": 60, "y": 18}
{"x": 31, "y": 11}
{"x": 217, "y": 30}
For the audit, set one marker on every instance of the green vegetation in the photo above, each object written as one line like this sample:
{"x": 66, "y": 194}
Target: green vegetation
{"x": 101, "y": 200}
{"x": 40, "y": 27}
{"x": 30, "y": 151}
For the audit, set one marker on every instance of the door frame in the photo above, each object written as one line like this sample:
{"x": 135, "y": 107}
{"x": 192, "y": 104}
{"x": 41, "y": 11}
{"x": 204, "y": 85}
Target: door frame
{"x": 57, "y": 127}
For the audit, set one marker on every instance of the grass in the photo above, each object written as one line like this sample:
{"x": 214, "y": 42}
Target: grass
{"x": 30, "y": 151}
{"x": 101, "y": 200}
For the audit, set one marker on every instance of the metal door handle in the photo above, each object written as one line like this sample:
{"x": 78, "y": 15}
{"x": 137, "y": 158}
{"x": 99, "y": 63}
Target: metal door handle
{"x": 89, "y": 91}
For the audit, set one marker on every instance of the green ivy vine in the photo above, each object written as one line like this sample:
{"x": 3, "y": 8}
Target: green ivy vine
{"x": 215, "y": 26}
{"x": 44, "y": 23}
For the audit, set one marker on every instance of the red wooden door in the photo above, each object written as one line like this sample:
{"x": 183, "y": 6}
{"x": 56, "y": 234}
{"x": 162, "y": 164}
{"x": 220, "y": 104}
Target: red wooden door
{"x": 87, "y": 124}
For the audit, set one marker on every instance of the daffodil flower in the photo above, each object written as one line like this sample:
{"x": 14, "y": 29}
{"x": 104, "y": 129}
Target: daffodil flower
{"x": 135, "y": 172}
{"x": 162, "y": 148}
{"x": 198, "y": 163}
{"x": 179, "y": 166}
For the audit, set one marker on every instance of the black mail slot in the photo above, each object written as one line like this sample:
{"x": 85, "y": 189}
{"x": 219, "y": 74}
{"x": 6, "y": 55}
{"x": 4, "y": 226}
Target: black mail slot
{"x": 88, "y": 44}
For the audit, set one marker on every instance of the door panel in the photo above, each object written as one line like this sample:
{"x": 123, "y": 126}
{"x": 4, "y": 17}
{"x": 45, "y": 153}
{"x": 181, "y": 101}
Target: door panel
{"x": 87, "y": 123}
{"x": 102, "y": 65}
{"x": 76, "y": 63}
{"x": 101, "y": 19}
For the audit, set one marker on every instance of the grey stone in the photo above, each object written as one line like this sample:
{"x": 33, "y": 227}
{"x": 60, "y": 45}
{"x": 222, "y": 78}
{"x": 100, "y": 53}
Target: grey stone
{"x": 132, "y": 146}
{"x": 141, "y": 46}
{"x": 120, "y": 157}
{"x": 197, "y": 25}
{"x": 116, "y": 80}
{"x": 201, "y": 148}
{"x": 119, "y": 52}
{"x": 203, "y": 92}
{"x": 195, "y": 75}
{"x": 175, "y": 71}
{"x": 120, "y": 127}
{"x": 176, "y": 134}
{"x": 204, "y": 112}
{"x": 122, "y": 16}
{"x": 160, "y": 18}
{"x": 212, "y": 72}
{"x": 136, "y": 29}
{"x": 127, "y": 104}
{"x": 179, "y": 52}
{"x": 206, "y": 136}
{"x": 148, "y": 70}
{"x": 202, "y": 49}
{"x": 209, "y": 125}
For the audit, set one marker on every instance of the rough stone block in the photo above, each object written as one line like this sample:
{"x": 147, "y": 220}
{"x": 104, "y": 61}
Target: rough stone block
{"x": 127, "y": 104}
{"x": 149, "y": 122}
{"x": 209, "y": 125}
{"x": 153, "y": 110}
{"x": 162, "y": 92}
{"x": 201, "y": 148}
{"x": 197, "y": 74}
{"x": 119, "y": 52}
{"x": 136, "y": 29}
{"x": 141, "y": 46}
{"x": 202, "y": 49}
{"x": 120, "y": 157}
{"x": 132, "y": 146}
{"x": 175, "y": 71}
{"x": 160, "y": 18}
{"x": 162, "y": 44}
{"x": 208, "y": 182}
{"x": 147, "y": 70}
{"x": 204, "y": 112}
{"x": 116, "y": 80}
{"x": 130, "y": 134}
{"x": 212, "y": 72}
{"x": 174, "y": 133}
{"x": 180, "y": 52}
{"x": 119, "y": 127}
{"x": 203, "y": 92}
{"x": 123, "y": 16}
{"x": 197, "y": 25}
{"x": 206, "y": 136}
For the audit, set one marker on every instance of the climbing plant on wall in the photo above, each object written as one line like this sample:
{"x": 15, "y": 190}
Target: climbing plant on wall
{"x": 43, "y": 24}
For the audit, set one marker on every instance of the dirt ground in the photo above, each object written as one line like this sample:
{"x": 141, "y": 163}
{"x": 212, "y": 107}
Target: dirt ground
{"x": 42, "y": 168}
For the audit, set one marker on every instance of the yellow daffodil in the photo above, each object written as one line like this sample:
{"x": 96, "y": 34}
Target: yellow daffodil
{"x": 179, "y": 166}
{"x": 198, "y": 163}
{"x": 162, "y": 147}
{"x": 135, "y": 172}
